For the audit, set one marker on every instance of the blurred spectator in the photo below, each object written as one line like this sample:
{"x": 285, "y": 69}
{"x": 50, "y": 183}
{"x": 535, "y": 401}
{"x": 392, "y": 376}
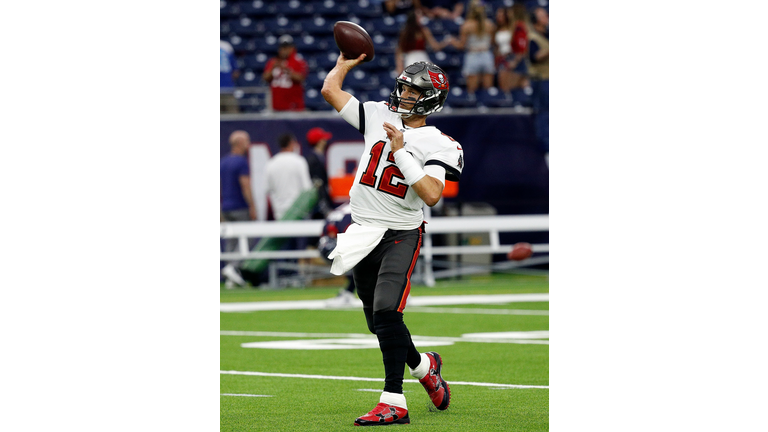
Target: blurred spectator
{"x": 317, "y": 138}
{"x": 286, "y": 74}
{"x": 287, "y": 175}
{"x": 414, "y": 38}
{"x": 475, "y": 38}
{"x": 337, "y": 222}
{"x": 236, "y": 198}
{"x": 401, "y": 7}
{"x": 511, "y": 44}
{"x": 538, "y": 68}
{"x": 229, "y": 73}
{"x": 442, "y": 9}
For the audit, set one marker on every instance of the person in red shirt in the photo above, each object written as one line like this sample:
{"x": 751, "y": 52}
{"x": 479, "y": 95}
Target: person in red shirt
{"x": 286, "y": 74}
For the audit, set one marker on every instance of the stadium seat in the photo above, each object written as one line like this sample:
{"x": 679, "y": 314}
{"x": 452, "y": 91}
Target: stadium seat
{"x": 330, "y": 8}
{"x": 256, "y": 62}
{"x": 317, "y": 26}
{"x": 385, "y": 25}
{"x": 380, "y": 62}
{"x": 362, "y": 81}
{"x": 249, "y": 78}
{"x": 365, "y": 8}
{"x": 283, "y": 25}
{"x": 309, "y": 43}
{"x": 327, "y": 61}
{"x": 258, "y": 8}
{"x": 250, "y": 103}
{"x": 246, "y": 27}
{"x": 295, "y": 8}
{"x": 383, "y": 44}
{"x": 315, "y": 79}
{"x": 225, "y": 28}
{"x": 266, "y": 44}
{"x": 493, "y": 98}
{"x": 314, "y": 101}
{"x": 229, "y": 9}
{"x": 460, "y": 99}
{"x": 522, "y": 98}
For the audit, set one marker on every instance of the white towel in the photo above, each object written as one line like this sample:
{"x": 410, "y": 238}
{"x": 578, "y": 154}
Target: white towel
{"x": 354, "y": 245}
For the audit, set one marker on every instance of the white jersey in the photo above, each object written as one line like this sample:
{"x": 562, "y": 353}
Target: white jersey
{"x": 379, "y": 196}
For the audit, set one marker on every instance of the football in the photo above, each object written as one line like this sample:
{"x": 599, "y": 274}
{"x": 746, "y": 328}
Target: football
{"x": 353, "y": 40}
{"x": 520, "y": 251}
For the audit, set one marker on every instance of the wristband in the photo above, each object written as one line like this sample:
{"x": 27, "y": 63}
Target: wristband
{"x": 409, "y": 167}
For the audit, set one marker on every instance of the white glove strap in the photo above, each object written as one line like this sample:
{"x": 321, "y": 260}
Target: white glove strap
{"x": 408, "y": 166}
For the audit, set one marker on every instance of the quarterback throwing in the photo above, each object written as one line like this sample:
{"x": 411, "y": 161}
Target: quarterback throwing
{"x": 404, "y": 166}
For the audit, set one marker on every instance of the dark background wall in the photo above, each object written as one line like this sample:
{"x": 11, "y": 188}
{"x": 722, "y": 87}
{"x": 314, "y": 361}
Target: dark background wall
{"x": 503, "y": 166}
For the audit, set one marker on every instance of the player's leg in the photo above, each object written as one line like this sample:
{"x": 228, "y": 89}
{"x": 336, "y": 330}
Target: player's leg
{"x": 400, "y": 253}
{"x": 364, "y": 276}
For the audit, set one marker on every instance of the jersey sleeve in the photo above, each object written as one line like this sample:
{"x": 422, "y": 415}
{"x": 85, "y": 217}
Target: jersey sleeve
{"x": 450, "y": 157}
{"x": 360, "y": 115}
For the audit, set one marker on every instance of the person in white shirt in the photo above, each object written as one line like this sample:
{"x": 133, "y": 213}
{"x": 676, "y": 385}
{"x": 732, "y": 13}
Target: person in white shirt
{"x": 287, "y": 176}
{"x": 404, "y": 166}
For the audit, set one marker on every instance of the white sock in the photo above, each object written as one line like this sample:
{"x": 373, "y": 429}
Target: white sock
{"x": 395, "y": 399}
{"x": 422, "y": 369}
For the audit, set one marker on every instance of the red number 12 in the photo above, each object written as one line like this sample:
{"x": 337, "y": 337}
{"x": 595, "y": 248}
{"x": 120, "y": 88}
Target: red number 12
{"x": 385, "y": 184}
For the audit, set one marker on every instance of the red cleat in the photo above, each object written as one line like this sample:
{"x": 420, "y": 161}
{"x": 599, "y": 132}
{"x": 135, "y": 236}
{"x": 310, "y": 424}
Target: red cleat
{"x": 434, "y": 384}
{"x": 384, "y": 415}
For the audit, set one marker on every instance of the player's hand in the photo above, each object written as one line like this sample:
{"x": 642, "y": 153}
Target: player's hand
{"x": 349, "y": 63}
{"x": 395, "y": 137}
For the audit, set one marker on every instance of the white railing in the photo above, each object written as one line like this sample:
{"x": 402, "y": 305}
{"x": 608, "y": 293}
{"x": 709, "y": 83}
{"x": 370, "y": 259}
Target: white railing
{"x": 492, "y": 225}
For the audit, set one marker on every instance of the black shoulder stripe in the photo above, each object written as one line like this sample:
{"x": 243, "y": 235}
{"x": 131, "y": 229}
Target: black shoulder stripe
{"x": 362, "y": 119}
{"x": 451, "y": 173}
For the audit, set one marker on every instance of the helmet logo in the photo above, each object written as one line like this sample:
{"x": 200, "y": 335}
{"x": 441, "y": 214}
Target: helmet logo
{"x": 438, "y": 80}
{"x": 405, "y": 78}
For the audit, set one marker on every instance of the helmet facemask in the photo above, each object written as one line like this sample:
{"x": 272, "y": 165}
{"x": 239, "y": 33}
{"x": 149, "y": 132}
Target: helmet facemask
{"x": 430, "y": 80}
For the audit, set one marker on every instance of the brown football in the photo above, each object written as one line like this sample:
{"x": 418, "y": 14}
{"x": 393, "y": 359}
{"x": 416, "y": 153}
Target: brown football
{"x": 520, "y": 251}
{"x": 353, "y": 40}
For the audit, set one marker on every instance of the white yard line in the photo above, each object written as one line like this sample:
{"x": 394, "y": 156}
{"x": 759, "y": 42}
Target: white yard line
{"x": 528, "y": 337}
{"x": 248, "y": 395}
{"x": 348, "y": 378}
{"x": 413, "y": 301}
{"x": 417, "y": 309}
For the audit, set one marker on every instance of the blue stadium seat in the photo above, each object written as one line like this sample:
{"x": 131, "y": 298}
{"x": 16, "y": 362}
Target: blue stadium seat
{"x": 225, "y": 27}
{"x": 365, "y": 8}
{"x": 315, "y": 79}
{"x": 314, "y": 101}
{"x": 229, "y": 9}
{"x": 317, "y": 26}
{"x": 381, "y": 61}
{"x": 283, "y": 25}
{"x": 258, "y": 8}
{"x": 523, "y": 98}
{"x": 331, "y": 8}
{"x": 251, "y": 103}
{"x": 493, "y": 98}
{"x": 256, "y": 62}
{"x": 295, "y": 8}
{"x": 383, "y": 44}
{"x": 327, "y": 60}
{"x": 249, "y": 78}
{"x": 385, "y": 25}
{"x": 360, "y": 80}
{"x": 460, "y": 99}
{"x": 309, "y": 43}
{"x": 246, "y": 27}
{"x": 266, "y": 44}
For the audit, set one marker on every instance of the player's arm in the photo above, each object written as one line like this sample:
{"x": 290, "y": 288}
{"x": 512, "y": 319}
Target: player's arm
{"x": 428, "y": 188}
{"x": 332, "y": 91}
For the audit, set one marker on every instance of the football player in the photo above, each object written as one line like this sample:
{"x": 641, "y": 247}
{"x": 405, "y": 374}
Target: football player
{"x": 404, "y": 166}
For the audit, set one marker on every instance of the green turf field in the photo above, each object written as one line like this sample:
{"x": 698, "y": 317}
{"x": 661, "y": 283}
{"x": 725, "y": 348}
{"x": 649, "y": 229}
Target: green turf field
{"x": 472, "y": 363}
